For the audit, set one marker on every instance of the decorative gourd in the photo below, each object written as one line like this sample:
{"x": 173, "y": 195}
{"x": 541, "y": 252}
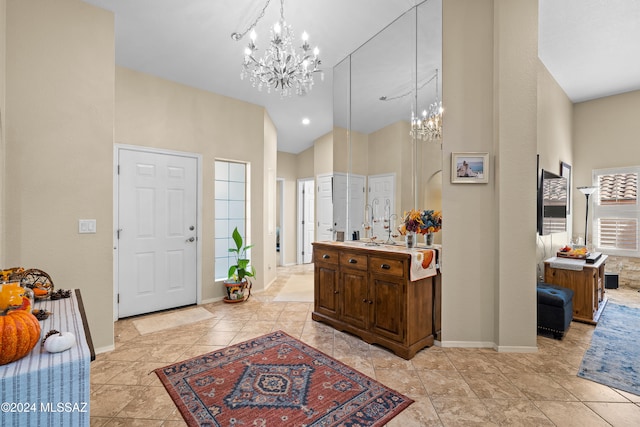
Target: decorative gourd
{"x": 19, "y": 333}
{"x": 15, "y": 297}
{"x": 39, "y": 292}
{"x": 55, "y": 342}
{"x": 10, "y": 296}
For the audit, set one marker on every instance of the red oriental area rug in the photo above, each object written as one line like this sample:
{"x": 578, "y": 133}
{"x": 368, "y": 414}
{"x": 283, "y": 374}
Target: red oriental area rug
{"x": 276, "y": 380}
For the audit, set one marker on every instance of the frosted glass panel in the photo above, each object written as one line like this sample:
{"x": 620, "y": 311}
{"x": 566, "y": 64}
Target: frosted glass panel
{"x": 236, "y": 191}
{"x": 222, "y": 268}
{"x": 222, "y": 247}
{"x": 236, "y": 210}
{"x": 222, "y": 229}
{"x": 222, "y": 170}
{"x": 222, "y": 209}
{"x": 222, "y": 190}
{"x": 236, "y": 172}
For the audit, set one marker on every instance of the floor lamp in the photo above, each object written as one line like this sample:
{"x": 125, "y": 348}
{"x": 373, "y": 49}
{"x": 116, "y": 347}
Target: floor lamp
{"x": 587, "y": 191}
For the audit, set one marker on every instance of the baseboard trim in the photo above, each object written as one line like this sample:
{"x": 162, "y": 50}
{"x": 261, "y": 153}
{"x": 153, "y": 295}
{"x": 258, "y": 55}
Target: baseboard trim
{"x": 467, "y": 344}
{"x": 487, "y": 344}
{"x": 516, "y": 349}
{"x": 105, "y": 349}
{"x": 210, "y": 300}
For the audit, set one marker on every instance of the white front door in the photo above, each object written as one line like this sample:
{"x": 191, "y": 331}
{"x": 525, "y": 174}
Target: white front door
{"x": 324, "y": 206}
{"x": 157, "y": 219}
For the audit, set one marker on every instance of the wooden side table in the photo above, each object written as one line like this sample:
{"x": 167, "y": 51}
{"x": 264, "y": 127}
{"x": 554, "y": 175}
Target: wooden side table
{"x": 587, "y": 283}
{"x": 47, "y": 389}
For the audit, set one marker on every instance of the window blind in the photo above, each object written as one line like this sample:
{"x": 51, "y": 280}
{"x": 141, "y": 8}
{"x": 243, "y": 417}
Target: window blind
{"x": 618, "y": 233}
{"x": 617, "y": 215}
{"x": 619, "y": 188}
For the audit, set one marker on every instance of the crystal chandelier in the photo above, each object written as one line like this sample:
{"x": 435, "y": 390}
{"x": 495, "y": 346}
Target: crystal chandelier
{"x": 282, "y": 67}
{"x": 429, "y": 126}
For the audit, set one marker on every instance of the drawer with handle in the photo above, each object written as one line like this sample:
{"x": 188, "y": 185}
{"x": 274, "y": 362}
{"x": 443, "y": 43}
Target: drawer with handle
{"x": 326, "y": 256}
{"x": 393, "y": 267}
{"x": 350, "y": 260}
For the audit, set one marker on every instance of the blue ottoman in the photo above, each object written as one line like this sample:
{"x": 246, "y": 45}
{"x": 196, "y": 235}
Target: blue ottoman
{"x": 555, "y": 309}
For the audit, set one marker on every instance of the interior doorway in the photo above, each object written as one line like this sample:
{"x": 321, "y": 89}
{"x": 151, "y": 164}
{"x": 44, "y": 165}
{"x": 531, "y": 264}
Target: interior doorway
{"x": 306, "y": 220}
{"x": 324, "y": 208}
{"x": 280, "y": 230}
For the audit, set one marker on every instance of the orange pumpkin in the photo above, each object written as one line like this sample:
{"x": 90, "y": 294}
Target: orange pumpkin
{"x": 19, "y": 333}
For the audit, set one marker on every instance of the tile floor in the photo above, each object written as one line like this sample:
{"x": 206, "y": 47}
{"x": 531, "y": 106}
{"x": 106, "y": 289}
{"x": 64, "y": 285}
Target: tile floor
{"x": 451, "y": 387}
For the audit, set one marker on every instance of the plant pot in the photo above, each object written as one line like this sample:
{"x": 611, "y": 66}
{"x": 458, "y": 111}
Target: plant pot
{"x": 237, "y": 291}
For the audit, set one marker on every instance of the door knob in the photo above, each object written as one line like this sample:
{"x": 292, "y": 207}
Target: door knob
{"x": 191, "y": 239}
{"x": 192, "y": 228}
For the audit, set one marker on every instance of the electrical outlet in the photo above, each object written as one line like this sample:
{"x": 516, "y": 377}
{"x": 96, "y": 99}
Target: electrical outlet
{"x": 86, "y": 226}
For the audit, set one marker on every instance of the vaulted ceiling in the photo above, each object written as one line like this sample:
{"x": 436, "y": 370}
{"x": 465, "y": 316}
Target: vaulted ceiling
{"x": 589, "y": 46}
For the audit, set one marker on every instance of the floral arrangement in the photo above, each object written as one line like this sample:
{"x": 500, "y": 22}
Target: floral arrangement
{"x": 423, "y": 222}
{"x": 431, "y": 221}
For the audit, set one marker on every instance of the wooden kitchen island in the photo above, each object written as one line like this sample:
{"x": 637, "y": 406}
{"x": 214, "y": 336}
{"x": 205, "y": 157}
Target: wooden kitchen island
{"x": 367, "y": 291}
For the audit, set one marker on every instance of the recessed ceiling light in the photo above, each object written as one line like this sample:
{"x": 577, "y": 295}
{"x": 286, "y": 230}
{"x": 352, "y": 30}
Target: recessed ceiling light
{"x": 306, "y": 121}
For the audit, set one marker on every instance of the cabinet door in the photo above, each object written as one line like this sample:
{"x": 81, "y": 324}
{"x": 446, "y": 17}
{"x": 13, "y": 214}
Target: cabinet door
{"x": 355, "y": 303}
{"x": 388, "y": 310}
{"x": 582, "y": 284}
{"x": 326, "y": 291}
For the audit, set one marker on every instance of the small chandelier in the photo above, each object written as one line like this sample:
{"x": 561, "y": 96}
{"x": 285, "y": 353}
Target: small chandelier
{"x": 282, "y": 67}
{"x": 429, "y": 126}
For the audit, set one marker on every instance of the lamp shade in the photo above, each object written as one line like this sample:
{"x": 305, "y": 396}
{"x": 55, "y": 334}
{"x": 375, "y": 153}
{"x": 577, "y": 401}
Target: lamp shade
{"x": 587, "y": 190}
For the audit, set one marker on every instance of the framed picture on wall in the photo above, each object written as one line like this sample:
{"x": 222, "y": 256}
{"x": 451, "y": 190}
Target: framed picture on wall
{"x": 469, "y": 168}
{"x": 565, "y": 172}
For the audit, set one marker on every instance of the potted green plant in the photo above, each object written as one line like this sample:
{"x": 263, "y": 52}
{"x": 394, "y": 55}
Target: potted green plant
{"x": 238, "y": 284}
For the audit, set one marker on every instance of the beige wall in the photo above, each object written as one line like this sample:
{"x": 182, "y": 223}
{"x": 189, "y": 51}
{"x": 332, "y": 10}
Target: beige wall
{"x": 3, "y": 118}
{"x": 555, "y": 142}
{"x": 341, "y": 149}
{"x": 154, "y": 112}
{"x": 488, "y": 288}
{"x": 323, "y": 160}
{"x": 287, "y": 170}
{"x": 606, "y": 134}
{"x": 305, "y": 163}
{"x": 270, "y": 161}
{"x": 469, "y": 227}
{"x": 59, "y": 142}
{"x": 516, "y": 107}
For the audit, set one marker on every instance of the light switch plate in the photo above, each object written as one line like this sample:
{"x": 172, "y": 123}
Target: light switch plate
{"x": 86, "y": 226}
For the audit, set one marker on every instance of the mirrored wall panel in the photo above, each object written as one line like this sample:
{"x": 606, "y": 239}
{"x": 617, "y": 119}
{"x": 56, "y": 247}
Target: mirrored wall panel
{"x": 383, "y": 165}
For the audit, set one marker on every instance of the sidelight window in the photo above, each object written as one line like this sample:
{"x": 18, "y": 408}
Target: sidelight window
{"x": 231, "y": 203}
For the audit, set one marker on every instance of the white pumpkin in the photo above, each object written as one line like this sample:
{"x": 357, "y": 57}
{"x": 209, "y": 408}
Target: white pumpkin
{"x": 58, "y": 342}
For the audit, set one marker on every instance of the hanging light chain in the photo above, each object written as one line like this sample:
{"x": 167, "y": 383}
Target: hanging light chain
{"x": 238, "y": 36}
